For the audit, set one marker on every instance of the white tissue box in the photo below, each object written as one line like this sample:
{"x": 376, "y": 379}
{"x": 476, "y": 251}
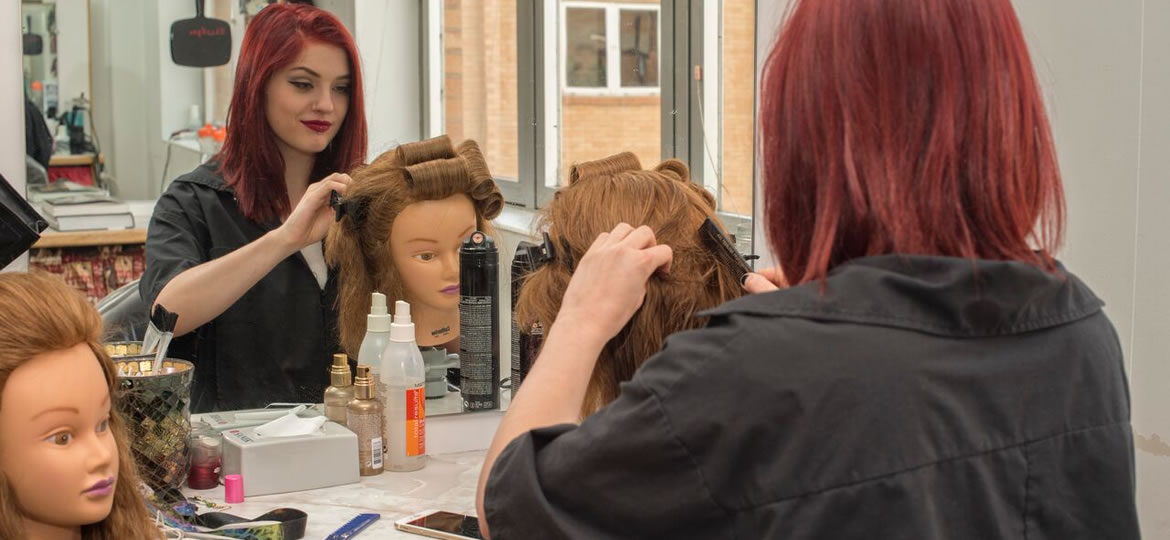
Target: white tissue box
{"x": 282, "y": 464}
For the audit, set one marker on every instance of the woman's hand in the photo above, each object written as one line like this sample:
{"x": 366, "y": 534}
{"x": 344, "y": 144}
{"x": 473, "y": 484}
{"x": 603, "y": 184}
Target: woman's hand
{"x": 765, "y": 280}
{"x": 311, "y": 218}
{"x": 609, "y": 283}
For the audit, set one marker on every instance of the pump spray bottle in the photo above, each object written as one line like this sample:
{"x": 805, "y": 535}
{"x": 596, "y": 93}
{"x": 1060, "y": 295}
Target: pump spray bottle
{"x": 404, "y": 375}
{"x": 377, "y": 332}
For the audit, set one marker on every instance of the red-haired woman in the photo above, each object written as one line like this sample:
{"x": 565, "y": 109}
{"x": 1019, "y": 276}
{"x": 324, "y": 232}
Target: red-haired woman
{"x": 932, "y": 371}
{"x": 234, "y": 247}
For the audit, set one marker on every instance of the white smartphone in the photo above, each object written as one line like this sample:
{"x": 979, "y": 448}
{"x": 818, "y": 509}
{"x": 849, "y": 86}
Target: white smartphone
{"x": 441, "y": 524}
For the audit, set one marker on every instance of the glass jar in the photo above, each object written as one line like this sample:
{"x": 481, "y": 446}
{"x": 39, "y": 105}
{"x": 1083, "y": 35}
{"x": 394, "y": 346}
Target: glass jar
{"x": 206, "y": 446}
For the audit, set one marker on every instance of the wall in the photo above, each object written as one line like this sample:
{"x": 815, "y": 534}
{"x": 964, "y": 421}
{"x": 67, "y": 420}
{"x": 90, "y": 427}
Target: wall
{"x": 129, "y": 47}
{"x": 12, "y": 107}
{"x": 1105, "y": 73}
{"x": 388, "y": 40}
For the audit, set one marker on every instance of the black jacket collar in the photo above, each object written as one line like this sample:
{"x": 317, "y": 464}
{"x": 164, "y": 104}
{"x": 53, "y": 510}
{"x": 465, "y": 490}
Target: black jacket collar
{"x": 207, "y": 175}
{"x": 937, "y": 295}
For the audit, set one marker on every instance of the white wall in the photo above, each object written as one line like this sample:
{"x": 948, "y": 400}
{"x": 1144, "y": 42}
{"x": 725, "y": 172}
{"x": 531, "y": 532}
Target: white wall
{"x": 12, "y": 106}
{"x": 387, "y": 35}
{"x": 72, "y": 51}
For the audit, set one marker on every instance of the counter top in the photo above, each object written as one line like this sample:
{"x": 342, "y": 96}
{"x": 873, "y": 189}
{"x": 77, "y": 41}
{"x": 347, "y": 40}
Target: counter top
{"x": 447, "y": 482}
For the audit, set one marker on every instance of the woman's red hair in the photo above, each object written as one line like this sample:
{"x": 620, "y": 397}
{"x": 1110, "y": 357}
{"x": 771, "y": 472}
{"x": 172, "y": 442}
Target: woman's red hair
{"x": 906, "y": 126}
{"x": 250, "y": 161}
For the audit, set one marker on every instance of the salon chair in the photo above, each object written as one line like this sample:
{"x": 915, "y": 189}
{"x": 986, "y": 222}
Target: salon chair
{"x": 124, "y": 315}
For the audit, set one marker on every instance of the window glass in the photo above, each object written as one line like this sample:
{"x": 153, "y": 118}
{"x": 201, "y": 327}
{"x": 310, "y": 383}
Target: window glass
{"x": 585, "y": 48}
{"x": 639, "y": 47}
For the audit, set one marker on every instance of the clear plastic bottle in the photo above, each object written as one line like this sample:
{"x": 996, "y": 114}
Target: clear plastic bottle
{"x": 403, "y": 376}
{"x": 377, "y": 334}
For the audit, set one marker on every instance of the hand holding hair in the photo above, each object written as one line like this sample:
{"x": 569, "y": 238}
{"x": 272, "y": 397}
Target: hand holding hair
{"x": 311, "y": 218}
{"x": 609, "y": 283}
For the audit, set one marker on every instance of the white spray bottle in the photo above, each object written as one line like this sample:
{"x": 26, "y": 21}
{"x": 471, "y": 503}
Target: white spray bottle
{"x": 377, "y": 334}
{"x": 403, "y": 376}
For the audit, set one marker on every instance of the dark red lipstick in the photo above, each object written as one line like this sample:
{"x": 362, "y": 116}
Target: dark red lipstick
{"x": 320, "y": 126}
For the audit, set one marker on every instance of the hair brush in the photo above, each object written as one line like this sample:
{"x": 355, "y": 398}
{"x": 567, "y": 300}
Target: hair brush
{"x": 721, "y": 248}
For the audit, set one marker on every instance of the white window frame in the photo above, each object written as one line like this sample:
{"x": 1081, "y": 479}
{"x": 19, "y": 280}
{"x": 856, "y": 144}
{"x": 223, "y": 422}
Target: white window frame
{"x": 613, "y": 60}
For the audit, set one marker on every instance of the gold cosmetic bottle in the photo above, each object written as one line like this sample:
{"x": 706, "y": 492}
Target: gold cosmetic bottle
{"x": 364, "y": 417}
{"x": 340, "y": 391}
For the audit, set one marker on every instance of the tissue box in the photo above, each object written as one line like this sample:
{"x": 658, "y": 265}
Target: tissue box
{"x": 283, "y": 464}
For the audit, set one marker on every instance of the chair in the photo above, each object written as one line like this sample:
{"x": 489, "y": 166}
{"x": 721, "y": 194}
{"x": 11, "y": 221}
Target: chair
{"x": 124, "y": 315}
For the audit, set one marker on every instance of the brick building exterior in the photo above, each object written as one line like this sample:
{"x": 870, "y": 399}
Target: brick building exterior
{"x": 480, "y": 97}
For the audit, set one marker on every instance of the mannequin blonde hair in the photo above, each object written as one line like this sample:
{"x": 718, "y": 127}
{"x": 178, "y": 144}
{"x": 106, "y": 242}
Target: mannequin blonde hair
{"x": 359, "y": 244}
{"x": 600, "y": 195}
{"x": 41, "y": 314}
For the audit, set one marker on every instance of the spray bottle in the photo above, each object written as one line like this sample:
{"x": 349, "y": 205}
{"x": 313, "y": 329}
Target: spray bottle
{"x": 377, "y": 332}
{"x": 404, "y": 375}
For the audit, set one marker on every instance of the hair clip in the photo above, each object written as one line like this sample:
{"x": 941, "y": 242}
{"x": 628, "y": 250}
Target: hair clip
{"x": 335, "y": 203}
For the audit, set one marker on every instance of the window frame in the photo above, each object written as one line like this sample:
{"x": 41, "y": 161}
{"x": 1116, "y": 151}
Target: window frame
{"x": 683, "y": 40}
{"x": 613, "y": 12}
{"x": 517, "y": 192}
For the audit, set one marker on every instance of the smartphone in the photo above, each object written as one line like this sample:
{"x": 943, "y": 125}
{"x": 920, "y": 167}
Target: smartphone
{"x": 441, "y": 524}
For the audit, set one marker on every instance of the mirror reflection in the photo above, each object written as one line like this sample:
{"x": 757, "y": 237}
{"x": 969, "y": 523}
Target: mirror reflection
{"x": 165, "y": 126}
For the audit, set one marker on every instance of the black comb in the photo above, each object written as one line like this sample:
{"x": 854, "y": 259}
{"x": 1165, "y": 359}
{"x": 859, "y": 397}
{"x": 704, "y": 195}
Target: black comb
{"x": 721, "y": 248}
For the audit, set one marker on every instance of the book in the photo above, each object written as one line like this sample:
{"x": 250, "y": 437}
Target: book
{"x": 89, "y": 204}
{"x": 60, "y": 188}
{"x": 91, "y": 222}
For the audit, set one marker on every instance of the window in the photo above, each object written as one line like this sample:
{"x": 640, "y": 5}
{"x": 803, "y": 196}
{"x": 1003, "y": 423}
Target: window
{"x": 727, "y": 105}
{"x": 544, "y": 84}
{"x": 609, "y": 49}
{"x": 473, "y": 71}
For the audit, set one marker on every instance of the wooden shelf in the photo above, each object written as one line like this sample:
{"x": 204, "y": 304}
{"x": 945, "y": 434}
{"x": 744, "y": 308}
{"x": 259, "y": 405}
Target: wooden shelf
{"x": 54, "y": 239}
{"x": 72, "y": 160}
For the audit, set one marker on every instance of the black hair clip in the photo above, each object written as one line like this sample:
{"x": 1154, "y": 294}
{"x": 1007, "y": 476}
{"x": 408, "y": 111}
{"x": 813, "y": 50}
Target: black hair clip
{"x": 546, "y": 252}
{"x": 354, "y": 208}
{"x": 335, "y": 203}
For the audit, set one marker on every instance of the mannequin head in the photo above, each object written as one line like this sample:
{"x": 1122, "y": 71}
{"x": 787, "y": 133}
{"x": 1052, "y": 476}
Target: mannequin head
{"x": 600, "y": 195}
{"x": 406, "y": 215}
{"x": 61, "y": 431}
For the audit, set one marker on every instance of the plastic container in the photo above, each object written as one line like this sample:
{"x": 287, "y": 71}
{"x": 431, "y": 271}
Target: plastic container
{"x": 404, "y": 376}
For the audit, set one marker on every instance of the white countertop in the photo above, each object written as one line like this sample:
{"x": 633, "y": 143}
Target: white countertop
{"x": 447, "y": 482}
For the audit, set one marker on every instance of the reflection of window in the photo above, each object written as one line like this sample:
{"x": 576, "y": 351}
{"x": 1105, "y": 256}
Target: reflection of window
{"x": 609, "y": 48}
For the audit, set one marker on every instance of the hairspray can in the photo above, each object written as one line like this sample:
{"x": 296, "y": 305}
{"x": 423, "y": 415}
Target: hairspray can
{"x": 521, "y": 266}
{"x": 479, "y": 329}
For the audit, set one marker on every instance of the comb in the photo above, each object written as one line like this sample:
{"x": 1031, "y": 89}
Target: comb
{"x": 721, "y": 248}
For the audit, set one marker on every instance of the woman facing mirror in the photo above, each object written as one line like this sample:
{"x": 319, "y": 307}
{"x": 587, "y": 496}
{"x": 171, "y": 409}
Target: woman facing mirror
{"x": 234, "y": 247}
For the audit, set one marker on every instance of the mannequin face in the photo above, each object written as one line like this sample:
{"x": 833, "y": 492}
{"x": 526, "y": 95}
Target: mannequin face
{"x": 57, "y": 446}
{"x": 424, "y": 243}
{"x": 306, "y": 101}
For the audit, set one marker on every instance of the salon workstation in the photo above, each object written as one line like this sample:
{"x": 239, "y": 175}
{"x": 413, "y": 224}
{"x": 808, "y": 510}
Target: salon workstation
{"x": 466, "y": 269}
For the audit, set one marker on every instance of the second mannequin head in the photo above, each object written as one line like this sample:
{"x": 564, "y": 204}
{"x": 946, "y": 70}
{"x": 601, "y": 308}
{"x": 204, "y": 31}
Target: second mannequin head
{"x": 407, "y": 213}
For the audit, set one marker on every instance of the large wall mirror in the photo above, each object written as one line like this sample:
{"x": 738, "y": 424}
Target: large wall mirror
{"x": 56, "y": 74}
{"x": 609, "y": 75}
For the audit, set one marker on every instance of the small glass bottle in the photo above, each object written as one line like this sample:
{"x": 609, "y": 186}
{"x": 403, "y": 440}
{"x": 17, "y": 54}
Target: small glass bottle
{"x": 206, "y": 446}
{"x": 340, "y": 390}
{"x": 364, "y": 417}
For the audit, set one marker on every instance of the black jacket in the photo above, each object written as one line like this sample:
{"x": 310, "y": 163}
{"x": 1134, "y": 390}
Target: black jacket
{"x": 918, "y": 398}
{"x": 275, "y": 343}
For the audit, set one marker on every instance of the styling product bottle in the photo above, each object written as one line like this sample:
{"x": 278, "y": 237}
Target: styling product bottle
{"x": 522, "y": 265}
{"x": 404, "y": 375}
{"x": 377, "y": 332}
{"x": 479, "y": 329}
{"x": 364, "y": 417}
{"x": 340, "y": 390}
